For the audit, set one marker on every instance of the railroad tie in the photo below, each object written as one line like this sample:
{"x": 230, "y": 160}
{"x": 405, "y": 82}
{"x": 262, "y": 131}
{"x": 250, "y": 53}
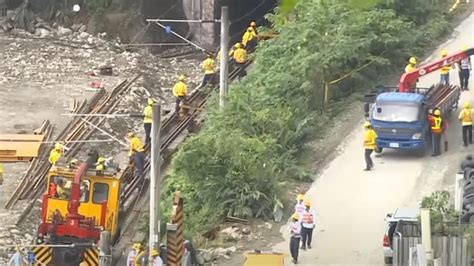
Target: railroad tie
{"x": 175, "y": 232}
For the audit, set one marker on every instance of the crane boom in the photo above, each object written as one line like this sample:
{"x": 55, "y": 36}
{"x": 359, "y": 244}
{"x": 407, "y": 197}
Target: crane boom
{"x": 410, "y": 78}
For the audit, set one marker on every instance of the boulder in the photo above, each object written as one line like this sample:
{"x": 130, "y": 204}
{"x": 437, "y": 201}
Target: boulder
{"x": 40, "y": 32}
{"x": 63, "y": 31}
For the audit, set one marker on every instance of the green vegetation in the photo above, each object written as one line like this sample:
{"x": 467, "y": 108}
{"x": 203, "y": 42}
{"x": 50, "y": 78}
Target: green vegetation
{"x": 444, "y": 219}
{"x": 240, "y": 162}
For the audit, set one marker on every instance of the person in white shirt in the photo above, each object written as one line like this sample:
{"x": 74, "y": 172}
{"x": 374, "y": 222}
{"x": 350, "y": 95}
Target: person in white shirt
{"x": 299, "y": 206}
{"x": 295, "y": 232}
{"x": 157, "y": 261}
{"x": 307, "y": 225}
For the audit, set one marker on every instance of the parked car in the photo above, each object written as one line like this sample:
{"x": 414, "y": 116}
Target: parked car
{"x": 402, "y": 223}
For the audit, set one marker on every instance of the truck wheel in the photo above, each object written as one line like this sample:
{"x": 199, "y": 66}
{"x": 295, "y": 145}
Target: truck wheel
{"x": 378, "y": 150}
{"x": 387, "y": 260}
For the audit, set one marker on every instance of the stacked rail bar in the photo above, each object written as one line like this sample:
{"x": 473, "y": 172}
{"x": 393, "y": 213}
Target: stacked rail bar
{"x": 34, "y": 182}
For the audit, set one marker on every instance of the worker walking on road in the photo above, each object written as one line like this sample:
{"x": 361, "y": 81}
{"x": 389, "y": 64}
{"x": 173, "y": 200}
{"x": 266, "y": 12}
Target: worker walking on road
{"x": 180, "y": 91}
{"x": 436, "y": 123}
{"x": 307, "y": 225}
{"x": 155, "y": 255}
{"x": 464, "y": 67}
{"x": 132, "y": 255}
{"x": 137, "y": 150}
{"x": 148, "y": 119}
{"x": 465, "y": 116}
{"x": 295, "y": 233}
{"x": 370, "y": 143}
{"x": 209, "y": 66}
{"x": 444, "y": 78}
{"x": 56, "y": 153}
{"x": 240, "y": 58}
{"x": 299, "y": 207}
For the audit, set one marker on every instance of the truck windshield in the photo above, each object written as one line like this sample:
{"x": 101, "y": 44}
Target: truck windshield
{"x": 396, "y": 112}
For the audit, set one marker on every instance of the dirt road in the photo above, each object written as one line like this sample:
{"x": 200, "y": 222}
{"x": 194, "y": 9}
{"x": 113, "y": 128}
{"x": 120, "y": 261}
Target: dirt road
{"x": 352, "y": 204}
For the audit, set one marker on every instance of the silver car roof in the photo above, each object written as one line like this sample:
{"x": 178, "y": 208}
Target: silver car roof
{"x": 406, "y": 214}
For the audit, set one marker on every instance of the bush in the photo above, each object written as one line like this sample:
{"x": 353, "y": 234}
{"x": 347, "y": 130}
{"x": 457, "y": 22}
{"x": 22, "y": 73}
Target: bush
{"x": 239, "y": 162}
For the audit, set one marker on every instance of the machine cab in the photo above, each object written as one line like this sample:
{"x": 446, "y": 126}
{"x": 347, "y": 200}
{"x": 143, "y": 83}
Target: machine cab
{"x": 100, "y": 193}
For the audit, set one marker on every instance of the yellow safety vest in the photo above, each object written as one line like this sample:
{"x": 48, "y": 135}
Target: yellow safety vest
{"x": 410, "y": 68}
{"x": 209, "y": 66}
{"x": 136, "y": 145}
{"x": 180, "y": 89}
{"x": 445, "y": 69}
{"x": 240, "y": 55}
{"x": 466, "y": 117}
{"x": 436, "y": 126}
{"x": 147, "y": 112}
{"x": 54, "y": 156}
{"x": 370, "y": 139}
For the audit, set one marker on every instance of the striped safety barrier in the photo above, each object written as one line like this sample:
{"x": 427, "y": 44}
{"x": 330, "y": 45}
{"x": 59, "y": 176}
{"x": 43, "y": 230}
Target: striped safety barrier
{"x": 175, "y": 232}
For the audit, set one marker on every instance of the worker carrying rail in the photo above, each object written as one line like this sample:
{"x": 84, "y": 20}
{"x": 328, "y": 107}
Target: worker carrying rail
{"x": 240, "y": 58}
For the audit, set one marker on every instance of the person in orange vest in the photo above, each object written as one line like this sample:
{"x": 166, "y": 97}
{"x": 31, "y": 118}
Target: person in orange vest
{"x": 299, "y": 207}
{"x": 307, "y": 225}
{"x": 370, "y": 143}
{"x": 295, "y": 233}
{"x": 444, "y": 78}
{"x": 465, "y": 116}
{"x": 436, "y": 122}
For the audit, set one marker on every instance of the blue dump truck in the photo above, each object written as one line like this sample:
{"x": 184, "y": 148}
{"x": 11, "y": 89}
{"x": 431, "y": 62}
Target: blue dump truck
{"x": 401, "y": 119}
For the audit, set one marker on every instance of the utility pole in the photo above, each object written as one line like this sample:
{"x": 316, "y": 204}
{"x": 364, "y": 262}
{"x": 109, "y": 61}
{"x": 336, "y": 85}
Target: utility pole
{"x": 155, "y": 181}
{"x": 224, "y": 71}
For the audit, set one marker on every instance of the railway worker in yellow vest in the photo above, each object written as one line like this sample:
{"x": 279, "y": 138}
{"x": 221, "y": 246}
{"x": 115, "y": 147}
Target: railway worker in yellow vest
{"x": 307, "y": 224}
{"x": 465, "y": 116}
{"x": 180, "y": 91}
{"x": 249, "y": 39}
{"x": 148, "y": 119}
{"x": 155, "y": 255}
{"x": 299, "y": 206}
{"x": 411, "y": 65}
{"x": 370, "y": 143}
{"x": 137, "y": 150}
{"x": 209, "y": 67}
{"x": 240, "y": 58}
{"x": 56, "y": 153}
{"x": 132, "y": 255}
{"x": 444, "y": 78}
{"x": 295, "y": 233}
{"x": 100, "y": 165}
{"x": 436, "y": 122}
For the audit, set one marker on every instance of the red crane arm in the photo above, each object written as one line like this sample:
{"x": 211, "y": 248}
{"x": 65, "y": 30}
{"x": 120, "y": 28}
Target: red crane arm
{"x": 410, "y": 78}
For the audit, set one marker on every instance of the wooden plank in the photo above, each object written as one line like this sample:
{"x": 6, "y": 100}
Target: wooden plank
{"x": 464, "y": 252}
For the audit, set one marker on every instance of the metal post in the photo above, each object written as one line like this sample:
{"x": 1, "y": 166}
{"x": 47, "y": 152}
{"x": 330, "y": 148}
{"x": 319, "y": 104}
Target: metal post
{"x": 224, "y": 71}
{"x": 155, "y": 181}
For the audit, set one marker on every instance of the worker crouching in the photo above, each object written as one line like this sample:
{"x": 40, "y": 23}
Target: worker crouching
{"x": 180, "y": 91}
{"x": 137, "y": 150}
{"x": 370, "y": 143}
{"x": 240, "y": 58}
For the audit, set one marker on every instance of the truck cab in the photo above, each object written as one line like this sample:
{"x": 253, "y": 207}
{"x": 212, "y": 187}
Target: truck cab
{"x": 400, "y": 120}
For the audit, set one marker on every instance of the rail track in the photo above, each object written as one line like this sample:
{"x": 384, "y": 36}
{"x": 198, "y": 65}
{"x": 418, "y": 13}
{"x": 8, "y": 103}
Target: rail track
{"x": 33, "y": 184}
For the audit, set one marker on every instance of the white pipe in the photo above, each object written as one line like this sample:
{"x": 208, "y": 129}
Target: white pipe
{"x": 181, "y": 37}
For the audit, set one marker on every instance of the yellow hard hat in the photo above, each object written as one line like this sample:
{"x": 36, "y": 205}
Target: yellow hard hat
{"x": 295, "y": 216}
{"x": 181, "y": 77}
{"x": 131, "y": 134}
{"x": 155, "y": 253}
{"x": 437, "y": 112}
{"x": 101, "y": 159}
{"x": 151, "y": 101}
{"x": 465, "y": 47}
{"x": 253, "y": 24}
{"x": 444, "y": 53}
{"x": 307, "y": 203}
{"x": 58, "y": 146}
{"x": 467, "y": 105}
{"x": 300, "y": 197}
{"x": 238, "y": 45}
{"x": 367, "y": 124}
{"x": 412, "y": 60}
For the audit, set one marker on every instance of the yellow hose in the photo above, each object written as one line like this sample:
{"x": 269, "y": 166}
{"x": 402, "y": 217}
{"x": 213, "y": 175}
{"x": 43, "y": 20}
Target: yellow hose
{"x": 455, "y": 5}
